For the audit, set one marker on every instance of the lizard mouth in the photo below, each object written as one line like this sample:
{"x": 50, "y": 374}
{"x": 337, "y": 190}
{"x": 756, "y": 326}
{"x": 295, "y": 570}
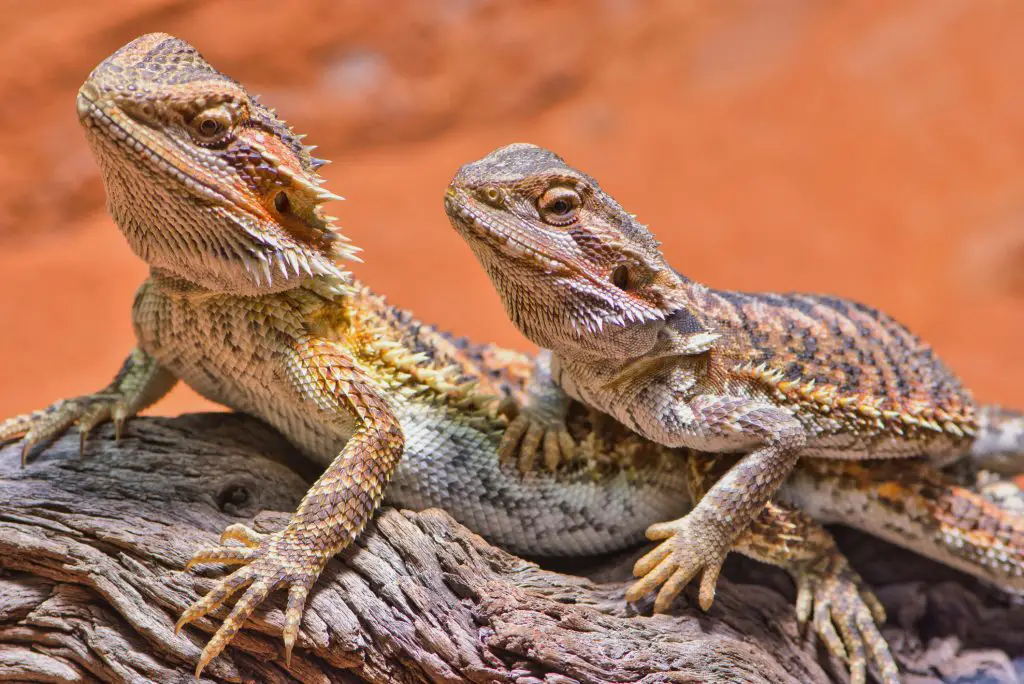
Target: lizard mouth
{"x": 492, "y": 244}
{"x": 472, "y": 223}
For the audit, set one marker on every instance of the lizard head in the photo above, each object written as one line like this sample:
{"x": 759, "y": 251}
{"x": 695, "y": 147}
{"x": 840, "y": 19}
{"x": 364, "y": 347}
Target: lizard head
{"x": 204, "y": 181}
{"x": 574, "y": 270}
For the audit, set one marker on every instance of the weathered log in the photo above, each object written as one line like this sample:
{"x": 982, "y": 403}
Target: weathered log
{"x": 91, "y": 582}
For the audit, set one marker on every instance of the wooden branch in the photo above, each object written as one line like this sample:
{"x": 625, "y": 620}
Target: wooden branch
{"x": 91, "y": 582}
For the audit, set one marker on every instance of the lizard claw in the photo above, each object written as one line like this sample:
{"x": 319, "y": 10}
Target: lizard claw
{"x": 677, "y": 560}
{"x": 284, "y": 558}
{"x": 45, "y": 425}
{"x": 845, "y": 615}
{"x": 530, "y": 435}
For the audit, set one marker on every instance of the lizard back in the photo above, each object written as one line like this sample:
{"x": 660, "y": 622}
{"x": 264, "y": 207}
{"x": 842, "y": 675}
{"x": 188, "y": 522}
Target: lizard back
{"x": 836, "y": 357}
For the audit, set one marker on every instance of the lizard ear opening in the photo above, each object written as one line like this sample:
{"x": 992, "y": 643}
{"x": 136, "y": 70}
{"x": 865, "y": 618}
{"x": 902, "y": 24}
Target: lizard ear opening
{"x": 620, "y": 277}
{"x": 282, "y": 203}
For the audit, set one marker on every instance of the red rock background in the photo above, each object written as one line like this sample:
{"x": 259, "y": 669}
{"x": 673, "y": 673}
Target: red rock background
{"x": 872, "y": 150}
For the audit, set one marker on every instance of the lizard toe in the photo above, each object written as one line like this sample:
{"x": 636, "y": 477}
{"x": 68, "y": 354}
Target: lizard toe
{"x": 508, "y": 450}
{"x": 826, "y": 631}
{"x": 567, "y": 445}
{"x": 559, "y": 448}
{"x": 674, "y": 562}
{"x": 846, "y": 619}
{"x": 93, "y": 415}
{"x": 46, "y": 425}
{"x": 281, "y": 559}
{"x": 552, "y": 451}
{"x": 293, "y": 619}
{"x": 529, "y": 447}
{"x": 857, "y": 657}
{"x": 228, "y": 555}
{"x": 242, "y": 534}
{"x": 708, "y": 583}
{"x": 670, "y": 590}
{"x": 877, "y": 647}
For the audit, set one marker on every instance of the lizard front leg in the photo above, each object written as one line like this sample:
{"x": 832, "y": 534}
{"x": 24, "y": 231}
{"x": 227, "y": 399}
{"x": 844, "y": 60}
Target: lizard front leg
{"x": 140, "y": 383}
{"x": 831, "y": 596}
{"x": 699, "y": 542}
{"x": 538, "y": 424}
{"x": 331, "y": 515}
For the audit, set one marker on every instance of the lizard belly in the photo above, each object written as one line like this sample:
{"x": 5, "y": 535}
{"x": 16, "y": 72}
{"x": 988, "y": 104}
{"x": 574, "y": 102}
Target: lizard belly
{"x": 452, "y": 463}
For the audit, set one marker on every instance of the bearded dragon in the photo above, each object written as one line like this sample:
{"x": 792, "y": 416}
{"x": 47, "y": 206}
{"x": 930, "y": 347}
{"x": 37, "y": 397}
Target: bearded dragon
{"x": 246, "y": 302}
{"x": 774, "y": 377}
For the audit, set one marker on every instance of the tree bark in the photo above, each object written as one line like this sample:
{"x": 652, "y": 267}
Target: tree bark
{"x": 91, "y": 583}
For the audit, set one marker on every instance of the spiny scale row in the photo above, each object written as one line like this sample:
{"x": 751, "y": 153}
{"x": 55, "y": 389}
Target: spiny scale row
{"x": 826, "y": 399}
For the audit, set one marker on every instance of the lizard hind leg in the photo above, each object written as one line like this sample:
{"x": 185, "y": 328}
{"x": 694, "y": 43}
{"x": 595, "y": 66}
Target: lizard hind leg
{"x": 832, "y": 599}
{"x": 831, "y": 596}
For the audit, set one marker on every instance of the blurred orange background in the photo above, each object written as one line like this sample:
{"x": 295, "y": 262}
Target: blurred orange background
{"x": 872, "y": 150}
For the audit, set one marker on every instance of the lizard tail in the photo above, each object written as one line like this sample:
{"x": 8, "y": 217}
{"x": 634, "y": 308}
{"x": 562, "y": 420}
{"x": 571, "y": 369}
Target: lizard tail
{"x": 999, "y": 443}
{"x": 915, "y": 506}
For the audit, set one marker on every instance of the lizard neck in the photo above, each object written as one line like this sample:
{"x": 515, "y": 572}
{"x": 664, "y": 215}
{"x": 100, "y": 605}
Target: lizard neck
{"x": 328, "y": 287}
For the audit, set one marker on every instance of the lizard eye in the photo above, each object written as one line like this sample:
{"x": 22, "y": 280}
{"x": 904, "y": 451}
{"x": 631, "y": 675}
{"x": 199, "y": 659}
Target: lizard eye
{"x": 212, "y": 125}
{"x": 209, "y": 127}
{"x": 559, "y": 206}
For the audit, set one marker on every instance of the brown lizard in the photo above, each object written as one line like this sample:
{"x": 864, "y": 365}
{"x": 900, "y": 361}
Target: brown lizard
{"x": 246, "y": 303}
{"x": 777, "y": 377}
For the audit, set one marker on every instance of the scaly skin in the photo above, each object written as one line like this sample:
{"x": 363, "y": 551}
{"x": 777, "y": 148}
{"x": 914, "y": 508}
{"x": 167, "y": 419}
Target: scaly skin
{"x": 232, "y": 309}
{"x": 246, "y": 303}
{"x": 777, "y": 377}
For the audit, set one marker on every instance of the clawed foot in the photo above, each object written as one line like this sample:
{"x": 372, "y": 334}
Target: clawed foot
{"x": 677, "y": 560}
{"x": 271, "y": 560}
{"x": 49, "y": 423}
{"x": 531, "y": 434}
{"x": 845, "y": 615}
